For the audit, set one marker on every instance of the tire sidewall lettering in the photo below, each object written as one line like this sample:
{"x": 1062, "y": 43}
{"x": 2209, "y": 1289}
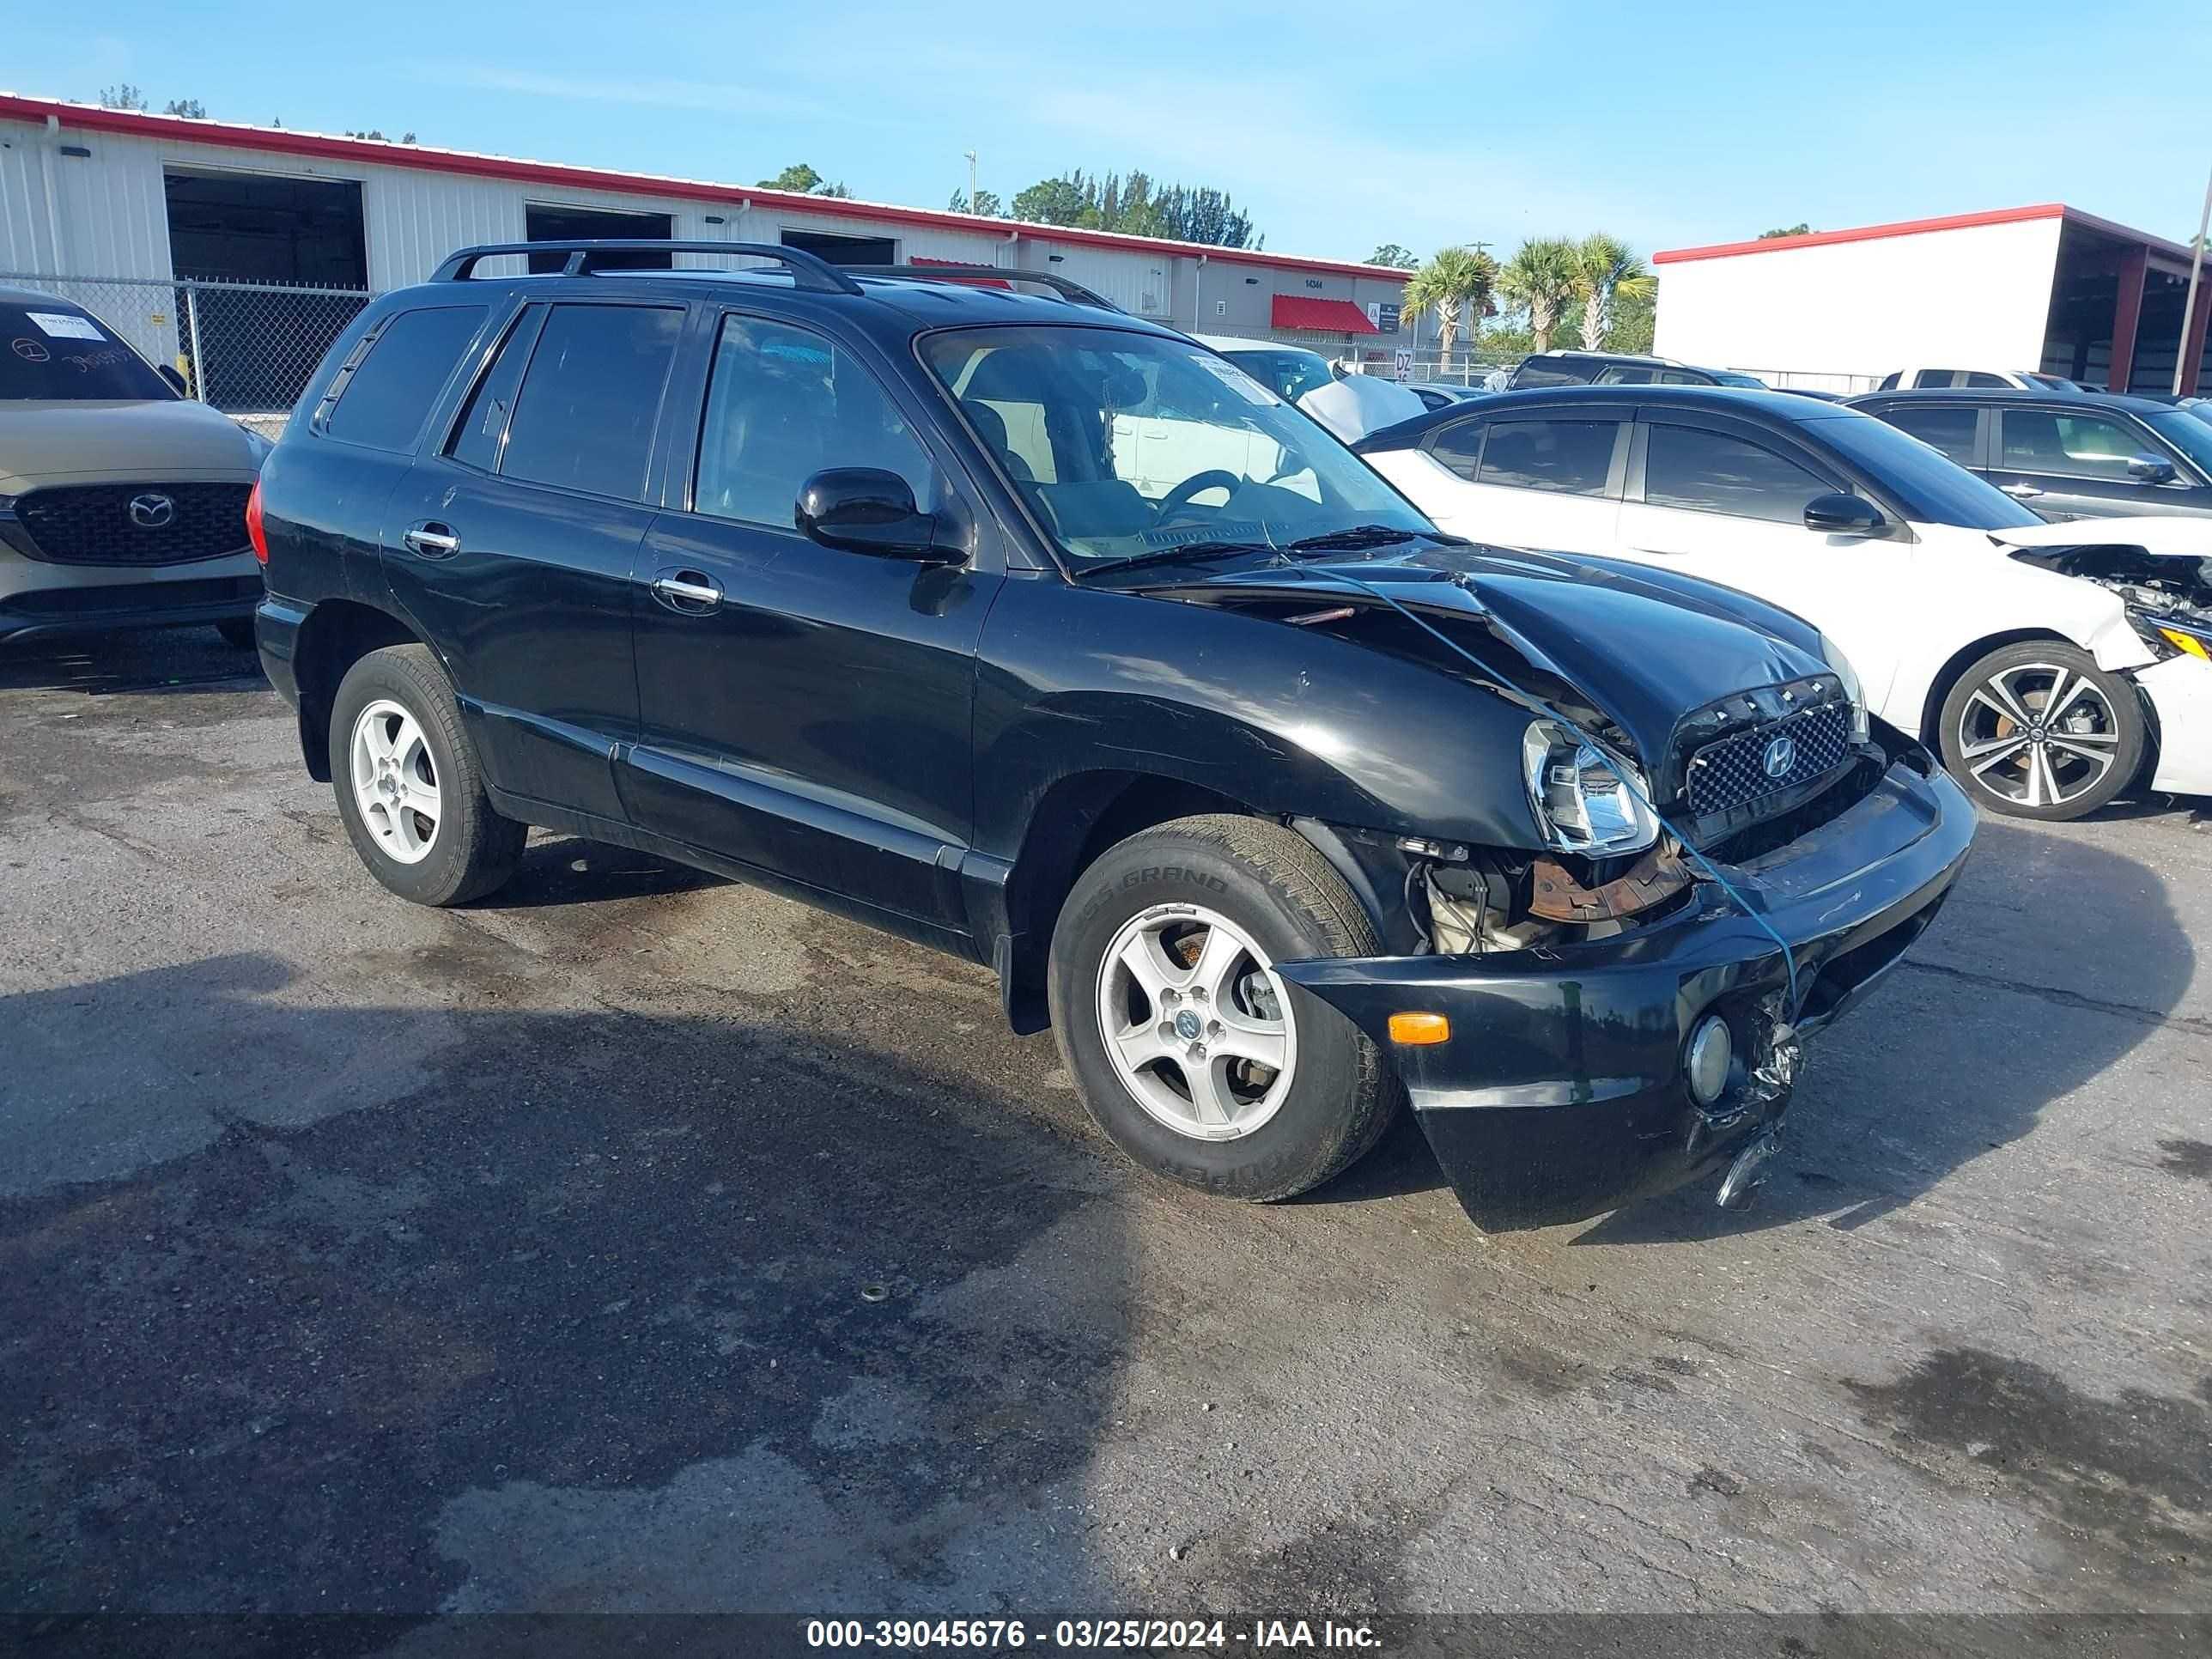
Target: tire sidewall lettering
{"x": 1151, "y": 875}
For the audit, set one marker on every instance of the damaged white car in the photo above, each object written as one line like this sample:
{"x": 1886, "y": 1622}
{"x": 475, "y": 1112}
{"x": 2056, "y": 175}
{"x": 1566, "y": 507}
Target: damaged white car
{"x": 2056, "y": 667}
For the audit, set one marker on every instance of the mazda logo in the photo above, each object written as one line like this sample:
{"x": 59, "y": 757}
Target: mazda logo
{"x": 1781, "y": 755}
{"x": 152, "y": 512}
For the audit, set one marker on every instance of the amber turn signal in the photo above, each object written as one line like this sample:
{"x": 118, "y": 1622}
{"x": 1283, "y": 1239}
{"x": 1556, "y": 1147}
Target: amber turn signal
{"x": 1414, "y": 1028}
{"x": 2188, "y": 642}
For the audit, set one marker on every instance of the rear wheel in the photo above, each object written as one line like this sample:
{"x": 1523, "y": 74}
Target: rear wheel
{"x": 1182, "y": 1038}
{"x": 408, "y": 784}
{"x": 2038, "y": 731}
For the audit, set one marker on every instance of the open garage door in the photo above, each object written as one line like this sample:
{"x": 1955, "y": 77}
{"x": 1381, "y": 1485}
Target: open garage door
{"x": 844, "y": 250}
{"x": 569, "y": 224}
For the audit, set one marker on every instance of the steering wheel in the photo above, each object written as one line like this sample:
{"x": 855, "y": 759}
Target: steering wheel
{"x": 1179, "y": 498}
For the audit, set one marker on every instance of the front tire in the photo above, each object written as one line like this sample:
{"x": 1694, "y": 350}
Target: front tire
{"x": 408, "y": 784}
{"x": 2038, "y": 731}
{"x": 1184, "y": 1043}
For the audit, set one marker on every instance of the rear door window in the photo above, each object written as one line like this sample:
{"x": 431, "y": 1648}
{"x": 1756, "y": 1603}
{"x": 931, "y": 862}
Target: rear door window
{"x": 1458, "y": 447}
{"x": 590, "y": 401}
{"x": 1708, "y": 472}
{"x": 1572, "y": 458}
{"x": 1947, "y": 427}
{"x": 478, "y": 435}
{"x": 1935, "y": 378}
{"x": 388, "y": 395}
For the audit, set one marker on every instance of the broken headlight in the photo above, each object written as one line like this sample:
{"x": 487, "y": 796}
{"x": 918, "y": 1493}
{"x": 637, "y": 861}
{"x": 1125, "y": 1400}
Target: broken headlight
{"x": 1585, "y": 800}
{"x": 1833, "y": 654}
{"x": 2171, "y": 635}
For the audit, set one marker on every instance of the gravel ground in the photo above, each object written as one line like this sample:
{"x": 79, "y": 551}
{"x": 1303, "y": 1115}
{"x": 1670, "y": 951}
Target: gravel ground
{"x": 636, "y": 1241}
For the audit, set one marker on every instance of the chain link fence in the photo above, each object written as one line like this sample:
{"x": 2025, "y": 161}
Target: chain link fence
{"x": 246, "y": 348}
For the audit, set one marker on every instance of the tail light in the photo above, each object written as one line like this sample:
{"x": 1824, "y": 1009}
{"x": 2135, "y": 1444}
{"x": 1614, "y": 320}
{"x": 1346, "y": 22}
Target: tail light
{"x": 254, "y": 532}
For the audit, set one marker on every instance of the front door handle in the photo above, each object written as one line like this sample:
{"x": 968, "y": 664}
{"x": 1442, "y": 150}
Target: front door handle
{"x": 432, "y": 540}
{"x": 2020, "y": 492}
{"x": 688, "y": 592}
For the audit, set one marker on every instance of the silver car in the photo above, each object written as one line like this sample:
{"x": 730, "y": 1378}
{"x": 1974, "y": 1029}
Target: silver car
{"x": 122, "y": 502}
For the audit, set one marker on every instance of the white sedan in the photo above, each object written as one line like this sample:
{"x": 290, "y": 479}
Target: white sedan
{"x": 2054, "y": 666}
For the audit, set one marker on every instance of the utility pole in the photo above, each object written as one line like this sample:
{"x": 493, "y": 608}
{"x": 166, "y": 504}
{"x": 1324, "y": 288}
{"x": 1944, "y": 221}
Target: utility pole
{"x": 971, "y": 154}
{"x": 2196, "y": 271}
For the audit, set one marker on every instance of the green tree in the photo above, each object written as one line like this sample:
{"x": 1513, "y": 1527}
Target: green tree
{"x": 1633, "y": 322}
{"x": 804, "y": 180}
{"x": 191, "y": 106}
{"x": 1540, "y": 278}
{"x": 122, "y": 96}
{"x": 1392, "y": 253}
{"x": 1138, "y": 205}
{"x": 1800, "y": 229}
{"x": 1605, "y": 271}
{"x": 986, "y": 203}
{"x": 1456, "y": 285}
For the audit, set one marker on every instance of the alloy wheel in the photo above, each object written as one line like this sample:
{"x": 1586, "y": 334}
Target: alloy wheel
{"x": 395, "y": 782}
{"x": 2037, "y": 734}
{"x": 1195, "y": 1021}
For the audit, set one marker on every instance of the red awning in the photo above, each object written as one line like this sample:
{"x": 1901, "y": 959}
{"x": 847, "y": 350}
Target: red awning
{"x": 1336, "y": 316}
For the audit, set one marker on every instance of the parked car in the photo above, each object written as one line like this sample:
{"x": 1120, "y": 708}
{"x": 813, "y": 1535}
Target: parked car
{"x": 122, "y": 502}
{"x": 1272, "y": 799}
{"x": 1616, "y": 368}
{"x": 2054, "y": 666}
{"x": 1347, "y": 404}
{"x": 1437, "y": 393}
{"x": 2067, "y": 454}
{"x": 1939, "y": 379}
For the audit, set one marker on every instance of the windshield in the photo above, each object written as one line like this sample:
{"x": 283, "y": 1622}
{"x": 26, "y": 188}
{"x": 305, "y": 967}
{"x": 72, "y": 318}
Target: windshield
{"x": 1289, "y": 373}
{"x": 1129, "y": 445}
{"x": 1926, "y": 482}
{"x": 56, "y": 352}
{"x": 2188, "y": 430}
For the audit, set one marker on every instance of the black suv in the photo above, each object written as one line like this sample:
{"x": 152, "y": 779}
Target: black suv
{"x": 1020, "y": 627}
{"x": 2065, "y": 454}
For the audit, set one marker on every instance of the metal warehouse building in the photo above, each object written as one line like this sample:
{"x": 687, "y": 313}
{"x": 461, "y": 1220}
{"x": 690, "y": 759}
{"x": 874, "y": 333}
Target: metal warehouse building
{"x": 159, "y": 222}
{"x": 2046, "y": 288}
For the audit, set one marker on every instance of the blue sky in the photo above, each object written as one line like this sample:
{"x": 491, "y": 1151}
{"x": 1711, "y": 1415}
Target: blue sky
{"x": 1337, "y": 127}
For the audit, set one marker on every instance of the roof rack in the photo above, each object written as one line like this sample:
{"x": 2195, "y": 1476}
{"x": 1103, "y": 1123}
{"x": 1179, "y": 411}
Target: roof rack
{"x": 807, "y": 271}
{"x": 1072, "y": 291}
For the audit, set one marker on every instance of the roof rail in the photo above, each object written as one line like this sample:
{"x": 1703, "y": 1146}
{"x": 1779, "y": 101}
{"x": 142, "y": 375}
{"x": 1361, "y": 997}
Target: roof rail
{"x": 807, "y": 271}
{"x": 1073, "y": 292}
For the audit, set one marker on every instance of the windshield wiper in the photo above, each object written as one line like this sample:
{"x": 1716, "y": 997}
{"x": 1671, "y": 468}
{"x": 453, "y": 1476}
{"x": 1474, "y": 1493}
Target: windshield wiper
{"x": 1188, "y": 552}
{"x": 1367, "y": 535}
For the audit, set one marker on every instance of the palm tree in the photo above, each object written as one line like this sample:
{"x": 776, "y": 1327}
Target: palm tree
{"x": 1541, "y": 276}
{"x": 1605, "y": 271}
{"x": 1455, "y": 284}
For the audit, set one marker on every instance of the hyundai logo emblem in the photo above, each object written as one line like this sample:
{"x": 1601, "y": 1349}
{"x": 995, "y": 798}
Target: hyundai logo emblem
{"x": 1781, "y": 755}
{"x": 152, "y": 512}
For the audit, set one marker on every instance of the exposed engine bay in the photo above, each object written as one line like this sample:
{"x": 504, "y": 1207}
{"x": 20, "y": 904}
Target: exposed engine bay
{"x": 2160, "y": 585}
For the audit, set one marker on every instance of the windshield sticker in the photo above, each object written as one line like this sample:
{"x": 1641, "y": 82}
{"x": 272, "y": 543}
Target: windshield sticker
{"x": 30, "y": 351}
{"x": 1236, "y": 379}
{"x": 58, "y": 326}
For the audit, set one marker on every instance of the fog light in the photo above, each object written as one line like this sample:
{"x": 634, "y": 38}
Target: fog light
{"x": 1711, "y": 1050}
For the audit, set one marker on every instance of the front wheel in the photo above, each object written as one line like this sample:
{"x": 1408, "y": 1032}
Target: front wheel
{"x": 2038, "y": 731}
{"x": 1180, "y": 1035}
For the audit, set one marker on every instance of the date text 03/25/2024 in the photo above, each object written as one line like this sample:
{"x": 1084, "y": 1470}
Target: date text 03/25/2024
{"x": 1173, "y": 1635}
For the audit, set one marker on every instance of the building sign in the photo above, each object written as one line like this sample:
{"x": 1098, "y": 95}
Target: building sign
{"x": 1384, "y": 313}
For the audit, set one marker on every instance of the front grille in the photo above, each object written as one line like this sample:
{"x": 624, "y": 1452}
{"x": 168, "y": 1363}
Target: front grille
{"x": 1733, "y": 772}
{"x": 96, "y": 524}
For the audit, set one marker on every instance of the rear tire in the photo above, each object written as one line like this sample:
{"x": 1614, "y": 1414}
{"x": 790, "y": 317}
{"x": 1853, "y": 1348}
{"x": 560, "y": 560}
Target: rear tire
{"x": 409, "y": 786}
{"x": 1996, "y": 743}
{"x": 237, "y": 633}
{"x": 1164, "y": 998}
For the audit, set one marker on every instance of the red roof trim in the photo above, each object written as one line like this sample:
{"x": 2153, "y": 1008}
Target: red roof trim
{"x": 1336, "y": 316}
{"x": 1865, "y": 232}
{"x": 370, "y": 151}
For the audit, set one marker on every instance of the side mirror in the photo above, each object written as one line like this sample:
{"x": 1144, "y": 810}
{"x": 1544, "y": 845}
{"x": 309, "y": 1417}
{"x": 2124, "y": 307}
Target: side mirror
{"x": 1844, "y": 515}
{"x": 865, "y": 509}
{"x": 168, "y": 372}
{"x": 2150, "y": 469}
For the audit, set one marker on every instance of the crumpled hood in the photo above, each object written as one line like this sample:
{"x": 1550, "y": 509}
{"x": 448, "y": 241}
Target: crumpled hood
{"x": 1645, "y": 647}
{"x": 2168, "y": 535}
{"x": 1360, "y": 403}
{"x": 42, "y": 442}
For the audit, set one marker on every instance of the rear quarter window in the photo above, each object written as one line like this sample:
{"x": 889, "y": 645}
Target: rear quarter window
{"x": 386, "y": 399}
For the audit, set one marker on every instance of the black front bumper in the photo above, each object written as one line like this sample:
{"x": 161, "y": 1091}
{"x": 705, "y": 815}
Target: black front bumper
{"x": 1561, "y": 1093}
{"x": 40, "y": 611}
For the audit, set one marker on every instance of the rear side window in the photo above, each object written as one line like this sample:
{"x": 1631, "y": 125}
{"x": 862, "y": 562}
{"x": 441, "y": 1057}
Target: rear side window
{"x": 1976, "y": 378}
{"x": 590, "y": 400}
{"x": 1713, "y": 473}
{"x": 477, "y": 438}
{"x": 1928, "y": 378}
{"x": 1949, "y": 429}
{"x": 1572, "y": 458}
{"x": 388, "y": 395}
{"x": 1458, "y": 447}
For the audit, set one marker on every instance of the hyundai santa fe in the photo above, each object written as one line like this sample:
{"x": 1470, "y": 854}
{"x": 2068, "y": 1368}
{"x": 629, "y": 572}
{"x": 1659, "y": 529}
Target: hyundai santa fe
{"x": 1013, "y": 624}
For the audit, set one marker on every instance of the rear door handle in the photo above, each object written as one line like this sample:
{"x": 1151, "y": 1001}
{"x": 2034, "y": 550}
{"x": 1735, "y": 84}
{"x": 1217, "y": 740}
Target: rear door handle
{"x": 432, "y": 540}
{"x": 2020, "y": 491}
{"x": 687, "y": 592}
